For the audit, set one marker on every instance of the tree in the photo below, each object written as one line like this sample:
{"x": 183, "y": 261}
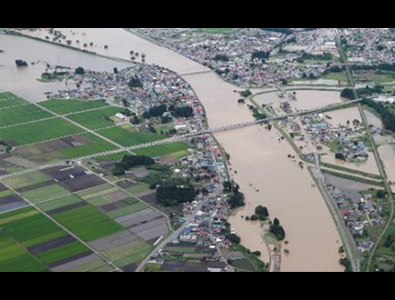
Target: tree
{"x": 277, "y": 230}
{"x": 262, "y": 212}
{"x": 80, "y": 71}
{"x": 135, "y": 82}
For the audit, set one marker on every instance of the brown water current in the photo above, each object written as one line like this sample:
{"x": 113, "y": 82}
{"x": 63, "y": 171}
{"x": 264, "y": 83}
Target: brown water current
{"x": 264, "y": 172}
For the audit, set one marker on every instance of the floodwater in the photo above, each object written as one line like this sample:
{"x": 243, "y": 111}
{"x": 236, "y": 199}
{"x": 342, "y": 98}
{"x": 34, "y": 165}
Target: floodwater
{"x": 387, "y": 155}
{"x": 260, "y": 159}
{"x": 306, "y": 100}
{"x": 23, "y": 81}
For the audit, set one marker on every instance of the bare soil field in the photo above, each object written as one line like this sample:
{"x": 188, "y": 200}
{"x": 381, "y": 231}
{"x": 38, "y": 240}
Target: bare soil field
{"x": 82, "y": 183}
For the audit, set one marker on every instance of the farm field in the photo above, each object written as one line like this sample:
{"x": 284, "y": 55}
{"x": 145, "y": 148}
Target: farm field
{"x": 8, "y": 99}
{"x": 29, "y": 227}
{"x": 127, "y": 138}
{"x": 26, "y": 180}
{"x": 38, "y": 132}
{"x": 15, "y": 258}
{"x": 22, "y": 114}
{"x": 46, "y": 193}
{"x": 61, "y": 253}
{"x": 88, "y": 223}
{"x": 162, "y": 150}
{"x": 59, "y": 203}
{"x": 98, "y": 145}
{"x": 63, "y": 107}
{"x": 138, "y": 188}
{"x": 136, "y": 207}
{"x": 96, "y": 119}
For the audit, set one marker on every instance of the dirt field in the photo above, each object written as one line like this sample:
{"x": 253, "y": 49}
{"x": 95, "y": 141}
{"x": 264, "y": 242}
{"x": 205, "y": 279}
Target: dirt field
{"x": 149, "y": 198}
{"x": 82, "y": 183}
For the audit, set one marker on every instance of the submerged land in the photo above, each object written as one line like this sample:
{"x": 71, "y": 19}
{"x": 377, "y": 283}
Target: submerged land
{"x": 197, "y": 149}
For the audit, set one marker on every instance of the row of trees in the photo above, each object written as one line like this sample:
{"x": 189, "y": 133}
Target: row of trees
{"x": 159, "y": 110}
{"x": 171, "y": 194}
{"x": 386, "y": 115}
{"x": 131, "y": 161}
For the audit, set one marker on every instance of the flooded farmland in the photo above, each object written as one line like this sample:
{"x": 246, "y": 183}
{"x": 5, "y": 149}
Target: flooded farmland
{"x": 23, "y": 81}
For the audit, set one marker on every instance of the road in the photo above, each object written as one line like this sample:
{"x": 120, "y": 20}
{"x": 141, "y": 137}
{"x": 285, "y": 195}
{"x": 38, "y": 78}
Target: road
{"x": 171, "y": 237}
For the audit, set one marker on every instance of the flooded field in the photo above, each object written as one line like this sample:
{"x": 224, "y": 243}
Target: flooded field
{"x": 260, "y": 159}
{"x": 387, "y": 155}
{"x": 23, "y": 81}
{"x": 305, "y": 99}
{"x": 119, "y": 43}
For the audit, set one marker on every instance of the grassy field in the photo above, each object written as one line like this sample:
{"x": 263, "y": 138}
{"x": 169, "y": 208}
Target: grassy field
{"x": 162, "y": 150}
{"x": 8, "y": 99}
{"x": 88, "y": 223}
{"x": 46, "y": 193}
{"x": 29, "y": 227}
{"x": 61, "y": 253}
{"x": 139, "y": 188}
{"x": 38, "y": 132}
{"x": 63, "y": 107}
{"x": 59, "y": 203}
{"x": 26, "y": 180}
{"x": 99, "y": 145}
{"x": 15, "y": 258}
{"x": 22, "y": 114}
{"x": 96, "y": 119}
{"x": 126, "y": 138}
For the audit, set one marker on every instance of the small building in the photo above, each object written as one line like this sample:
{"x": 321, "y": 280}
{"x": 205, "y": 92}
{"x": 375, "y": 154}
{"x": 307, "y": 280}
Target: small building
{"x": 121, "y": 117}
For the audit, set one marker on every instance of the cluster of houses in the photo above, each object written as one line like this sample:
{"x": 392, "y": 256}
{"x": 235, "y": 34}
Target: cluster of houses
{"x": 159, "y": 85}
{"x": 358, "y": 215}
{"x": 370, "y": 45}
{"x": 345, "y": 141}
{"x": 231, "y": 55}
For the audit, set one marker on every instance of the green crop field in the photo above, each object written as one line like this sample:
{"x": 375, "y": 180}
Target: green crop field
{"x": 88, "y": 223}
{"x": 99, "y": 145}
{"x": 126, "y": 138}
{"x": 46, "y": 193}
{"x": 26, "y": 180}
{"x": 61, "y": 253}
{"x": 127, "y": 210}
{"x": 6, "y": 193}
{"x": 15, "y": 258}
{"x": 59, "y": 203}
{"x": 96, "y": 119}
{"x": 63, "y": 107}
{"x": 162, "y": 150}
{"x": 29, "y": 227}
{"x": 8, "y": 99}
{"x": 22, "y": 114}
{"x": 38, "y": 132}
